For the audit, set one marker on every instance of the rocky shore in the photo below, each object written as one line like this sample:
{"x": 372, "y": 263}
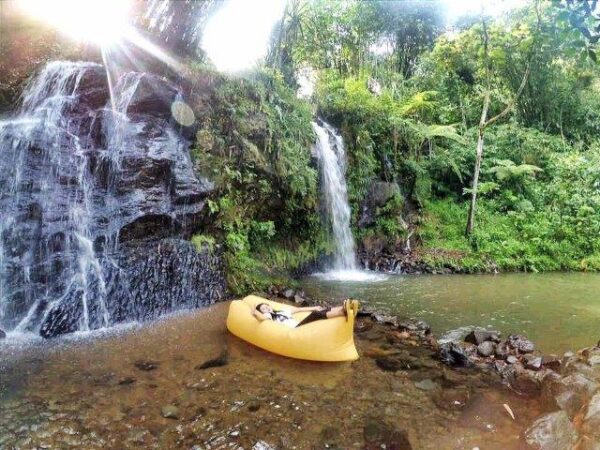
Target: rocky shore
{"x": 567, "y": 387}
{"x": 184, "y": 382}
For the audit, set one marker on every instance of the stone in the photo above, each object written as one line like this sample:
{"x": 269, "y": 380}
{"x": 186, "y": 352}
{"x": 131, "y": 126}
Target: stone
{"x": 377, "y": 435}
{"x": 569, "y": 393}
{"x": 451, "y": 399}
{"x": 520, "y": 343}
{"x": 552, "y": 431}
{"x": 512, "y": 359}
{"x": 253, "y": 406}
{"x": 386, "y": 319}
{"x": 288, "y": 294}
{"x": 419, "y": 327}
{"x": 486, "y": 348}
{"x": 219, "y": 361}
{"x": 146, "y": 365}
{"x": 2, "y": 333}
{"x": 393, "y": 363}
{"x": 591, "y": 420}
{"x": 299, "y": 300}
{"x": 126, "y": 380}
{"x": 551, "y": 361}
{"x": 262, "y": 445}
{"x": 533, "y": 362}
{"x": 478, "y": 337}
{"x": 526, "y": 382}
{"x": 454, "y": 355}
{"x": 502, "y": 351}
{"x": 427, "y": 385}
{"x": 170, "y": 412}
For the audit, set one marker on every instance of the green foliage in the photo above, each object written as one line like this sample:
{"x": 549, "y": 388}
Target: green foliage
{"x": 203, "y": 241}
{"x": 255, "y": 143}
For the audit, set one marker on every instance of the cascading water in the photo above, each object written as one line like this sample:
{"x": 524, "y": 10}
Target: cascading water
{"x": 331, "y": 154}
{"x": 332, "y": 160}
{"x": 90, "y": 187}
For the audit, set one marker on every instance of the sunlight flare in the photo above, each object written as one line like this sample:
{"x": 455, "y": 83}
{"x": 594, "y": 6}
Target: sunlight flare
{"x": 101, "y": 22}
{"x": 237, "y": 36}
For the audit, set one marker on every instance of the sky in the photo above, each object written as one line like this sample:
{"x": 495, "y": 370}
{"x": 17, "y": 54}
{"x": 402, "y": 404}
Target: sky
{"x": 238, "y": 34}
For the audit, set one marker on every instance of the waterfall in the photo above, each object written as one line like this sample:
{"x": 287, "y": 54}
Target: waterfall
{"x": 94, "y": 194}
{"x": 332, "y": 161}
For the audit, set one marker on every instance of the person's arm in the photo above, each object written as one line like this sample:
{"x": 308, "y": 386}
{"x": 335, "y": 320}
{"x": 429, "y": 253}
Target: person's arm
{"x": 260, "y": 316}
{"x": 305, "y": 309}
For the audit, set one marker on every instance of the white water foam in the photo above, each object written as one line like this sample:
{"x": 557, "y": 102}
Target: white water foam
{"x": 361, "y": 276}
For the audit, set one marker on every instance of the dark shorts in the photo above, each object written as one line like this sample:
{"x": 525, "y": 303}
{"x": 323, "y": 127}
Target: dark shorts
{"x": 314, "y": 316}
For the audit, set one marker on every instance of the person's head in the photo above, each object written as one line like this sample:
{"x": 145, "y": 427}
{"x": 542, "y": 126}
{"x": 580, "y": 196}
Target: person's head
{"x": 264, "y": 308}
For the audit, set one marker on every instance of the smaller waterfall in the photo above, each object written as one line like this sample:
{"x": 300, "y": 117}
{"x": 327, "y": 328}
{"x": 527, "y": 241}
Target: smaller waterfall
{"x": 331, "y": 153}
{"x": 332, "y": 160}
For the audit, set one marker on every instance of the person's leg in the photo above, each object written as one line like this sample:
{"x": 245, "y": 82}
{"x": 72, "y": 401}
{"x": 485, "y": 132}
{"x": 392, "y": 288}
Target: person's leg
{"x": 337, "y": 311}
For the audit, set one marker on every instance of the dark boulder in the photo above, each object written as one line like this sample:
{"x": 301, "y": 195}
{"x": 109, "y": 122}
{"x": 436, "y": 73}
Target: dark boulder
{"x": 454, "y": 355}
{"x": 2, "y": 334}
{"x": 480, "y": 336}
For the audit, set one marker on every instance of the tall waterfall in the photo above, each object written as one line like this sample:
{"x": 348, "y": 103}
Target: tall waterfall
{"x": 94, "y": 193}
{"x": 332, "y": 161}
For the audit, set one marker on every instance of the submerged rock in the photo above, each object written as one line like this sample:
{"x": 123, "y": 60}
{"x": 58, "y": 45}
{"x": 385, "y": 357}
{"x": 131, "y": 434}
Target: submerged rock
{"x": 219, "y": 361}
{"x": 591, "y": 420}
{"x": 427, "y": 385}
{"x": 569, "y": 394}
{"x": 146, "y": 365}
{"x": 378, "y": 435}
{"x": 553, "y": 431}
{"x": 2, "y": 334}
{"x": 170, "y": 412}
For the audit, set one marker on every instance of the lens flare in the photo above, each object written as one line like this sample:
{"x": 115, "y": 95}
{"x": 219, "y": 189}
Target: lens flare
{"x": 237, "y": 36}
{"x": 102, "y": 22}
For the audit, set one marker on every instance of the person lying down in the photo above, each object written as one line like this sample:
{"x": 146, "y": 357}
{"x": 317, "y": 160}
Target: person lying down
{"x": 264, "y": 311}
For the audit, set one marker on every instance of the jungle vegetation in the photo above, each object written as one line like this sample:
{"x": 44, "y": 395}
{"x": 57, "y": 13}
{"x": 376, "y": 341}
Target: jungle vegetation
{"x": 511, "y": 102}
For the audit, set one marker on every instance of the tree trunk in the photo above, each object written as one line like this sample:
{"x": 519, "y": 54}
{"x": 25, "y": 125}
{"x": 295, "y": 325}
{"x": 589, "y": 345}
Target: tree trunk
{"x": 478, "y": 158}
{"x": 473, "y": 205}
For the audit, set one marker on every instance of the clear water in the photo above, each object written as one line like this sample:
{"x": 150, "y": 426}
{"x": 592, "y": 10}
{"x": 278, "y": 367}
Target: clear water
{"x": 559, "y": 311}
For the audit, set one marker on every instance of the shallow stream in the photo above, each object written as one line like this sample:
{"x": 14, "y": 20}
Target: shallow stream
{"x": 112, "y": 391}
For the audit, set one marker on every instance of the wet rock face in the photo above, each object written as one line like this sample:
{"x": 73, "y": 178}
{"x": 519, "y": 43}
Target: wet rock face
{"x": 379, "y": 193}
{"x": 149, "y": 282}
{"x": 86, "y": 192}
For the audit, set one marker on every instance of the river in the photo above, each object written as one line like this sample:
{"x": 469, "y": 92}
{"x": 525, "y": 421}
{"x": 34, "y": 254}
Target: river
{"x": 558, "y": 311}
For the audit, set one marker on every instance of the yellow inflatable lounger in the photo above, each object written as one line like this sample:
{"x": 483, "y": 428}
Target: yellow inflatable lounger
{"x": 322, "y": 340}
